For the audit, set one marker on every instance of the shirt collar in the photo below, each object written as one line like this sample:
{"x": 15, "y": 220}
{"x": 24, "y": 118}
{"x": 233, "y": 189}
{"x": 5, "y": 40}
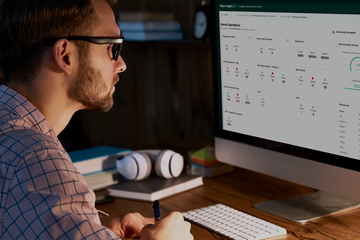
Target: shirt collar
{"x": 19, "y": 105}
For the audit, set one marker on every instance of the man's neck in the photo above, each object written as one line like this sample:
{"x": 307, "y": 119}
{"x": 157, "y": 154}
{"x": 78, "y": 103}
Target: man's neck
{"x": 51, "y": 100}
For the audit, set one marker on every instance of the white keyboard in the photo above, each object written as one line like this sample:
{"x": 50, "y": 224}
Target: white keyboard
{"x": 233, "y": 223}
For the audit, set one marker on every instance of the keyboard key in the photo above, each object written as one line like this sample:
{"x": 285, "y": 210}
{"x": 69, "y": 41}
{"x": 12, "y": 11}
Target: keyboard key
{"x": 208, "y": 225}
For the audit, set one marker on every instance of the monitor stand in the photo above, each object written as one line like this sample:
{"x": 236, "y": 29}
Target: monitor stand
{"x": 308, "y": 207}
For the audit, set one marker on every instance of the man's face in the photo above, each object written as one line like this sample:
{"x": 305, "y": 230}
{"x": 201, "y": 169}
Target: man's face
{"x": 91, "y": 88}
{"x": 97, "y": 72}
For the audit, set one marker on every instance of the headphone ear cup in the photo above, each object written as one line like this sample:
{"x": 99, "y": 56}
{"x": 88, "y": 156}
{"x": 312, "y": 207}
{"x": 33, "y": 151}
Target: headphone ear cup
{"x": 176, "y": 164}
{"x": 135, "y": 166}
{"x": 158, "y": 163}
{"x": 169, "y": 164}
{"x": 127, "y": 167}
{"x": 148, "y": 165}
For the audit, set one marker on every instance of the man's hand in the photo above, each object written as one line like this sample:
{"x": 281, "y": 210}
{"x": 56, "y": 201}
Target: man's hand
{"x": 171, "y": 227}
{"x": 126, "y": 226}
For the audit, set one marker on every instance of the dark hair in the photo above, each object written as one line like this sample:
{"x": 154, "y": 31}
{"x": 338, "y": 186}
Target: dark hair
{"x": 25, "y": 24}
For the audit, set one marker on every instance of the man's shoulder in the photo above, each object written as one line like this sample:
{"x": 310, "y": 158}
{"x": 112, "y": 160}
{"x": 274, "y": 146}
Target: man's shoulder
{"x": 18, "y": 139}
{"x": 9, "y": 119}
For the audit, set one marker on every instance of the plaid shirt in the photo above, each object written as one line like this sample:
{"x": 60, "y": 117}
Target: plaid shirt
{"x": 42, "y": 194}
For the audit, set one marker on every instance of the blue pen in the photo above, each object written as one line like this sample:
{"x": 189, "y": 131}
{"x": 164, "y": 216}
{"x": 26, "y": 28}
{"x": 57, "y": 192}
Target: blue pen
{"x": 156, "y": 207}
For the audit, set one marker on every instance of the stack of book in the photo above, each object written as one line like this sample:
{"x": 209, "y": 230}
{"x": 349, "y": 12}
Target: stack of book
{"x": 98, "y": 165}
{"x": 149, "y": 26}
{"x": 204, "y": 162}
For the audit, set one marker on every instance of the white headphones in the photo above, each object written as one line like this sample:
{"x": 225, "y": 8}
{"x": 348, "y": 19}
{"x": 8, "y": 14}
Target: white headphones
{"x": 137, "y": 165}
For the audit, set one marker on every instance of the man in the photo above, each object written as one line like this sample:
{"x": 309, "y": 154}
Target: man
{"x": 58, "y": 57}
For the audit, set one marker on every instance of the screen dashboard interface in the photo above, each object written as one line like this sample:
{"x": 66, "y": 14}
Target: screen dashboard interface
{"x": 291, "y": 73}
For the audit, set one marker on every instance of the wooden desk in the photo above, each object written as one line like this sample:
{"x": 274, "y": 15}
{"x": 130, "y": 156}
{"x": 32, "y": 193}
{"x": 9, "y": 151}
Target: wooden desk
{"x": 240, "y": 190}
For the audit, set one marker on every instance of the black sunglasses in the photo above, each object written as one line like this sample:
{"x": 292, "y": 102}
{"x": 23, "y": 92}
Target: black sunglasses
{"x": 117, "y": 43}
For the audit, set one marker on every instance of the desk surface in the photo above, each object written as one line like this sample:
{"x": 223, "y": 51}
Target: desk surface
{"x": 240, "y": 190}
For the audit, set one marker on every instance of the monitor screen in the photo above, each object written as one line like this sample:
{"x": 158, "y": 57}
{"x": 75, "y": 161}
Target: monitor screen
{"x": 287, "y": 80}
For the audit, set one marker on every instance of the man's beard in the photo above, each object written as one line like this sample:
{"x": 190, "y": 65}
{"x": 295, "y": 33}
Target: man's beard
{"x": 90, "y": 87}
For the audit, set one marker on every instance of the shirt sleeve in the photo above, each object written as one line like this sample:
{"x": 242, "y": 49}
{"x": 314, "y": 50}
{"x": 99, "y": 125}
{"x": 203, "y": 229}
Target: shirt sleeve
{"x": 49, "y": 199}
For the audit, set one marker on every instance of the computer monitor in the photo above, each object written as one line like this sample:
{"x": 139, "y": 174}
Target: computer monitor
{"x": 287, "y": 92}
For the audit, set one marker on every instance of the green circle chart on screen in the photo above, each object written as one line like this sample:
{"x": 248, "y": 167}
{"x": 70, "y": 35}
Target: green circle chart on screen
{"x": 355, "y": 64}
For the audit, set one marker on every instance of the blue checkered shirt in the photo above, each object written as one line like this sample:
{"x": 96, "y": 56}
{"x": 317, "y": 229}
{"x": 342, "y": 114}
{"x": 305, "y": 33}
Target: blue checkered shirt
{"x": 42, "y": 194}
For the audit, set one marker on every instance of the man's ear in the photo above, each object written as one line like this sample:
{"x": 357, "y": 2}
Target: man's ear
{"x": 64, "y": 55}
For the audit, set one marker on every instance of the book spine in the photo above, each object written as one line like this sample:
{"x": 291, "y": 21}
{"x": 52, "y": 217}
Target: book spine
{"x": 149, "y": 26}
{"x": 141, "y": 16}
{"x": 204, "y": 162}
{"x": 102, "y": 181}
{"x": 152, "y": 36}
{"x": 129, "y": 195}
{"x": 91, "y": 165}
{"x": 98, "y": 164}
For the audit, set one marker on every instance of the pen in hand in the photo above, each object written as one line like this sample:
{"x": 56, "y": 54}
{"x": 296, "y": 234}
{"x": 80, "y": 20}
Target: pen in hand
{"x": 156, "y": 207}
